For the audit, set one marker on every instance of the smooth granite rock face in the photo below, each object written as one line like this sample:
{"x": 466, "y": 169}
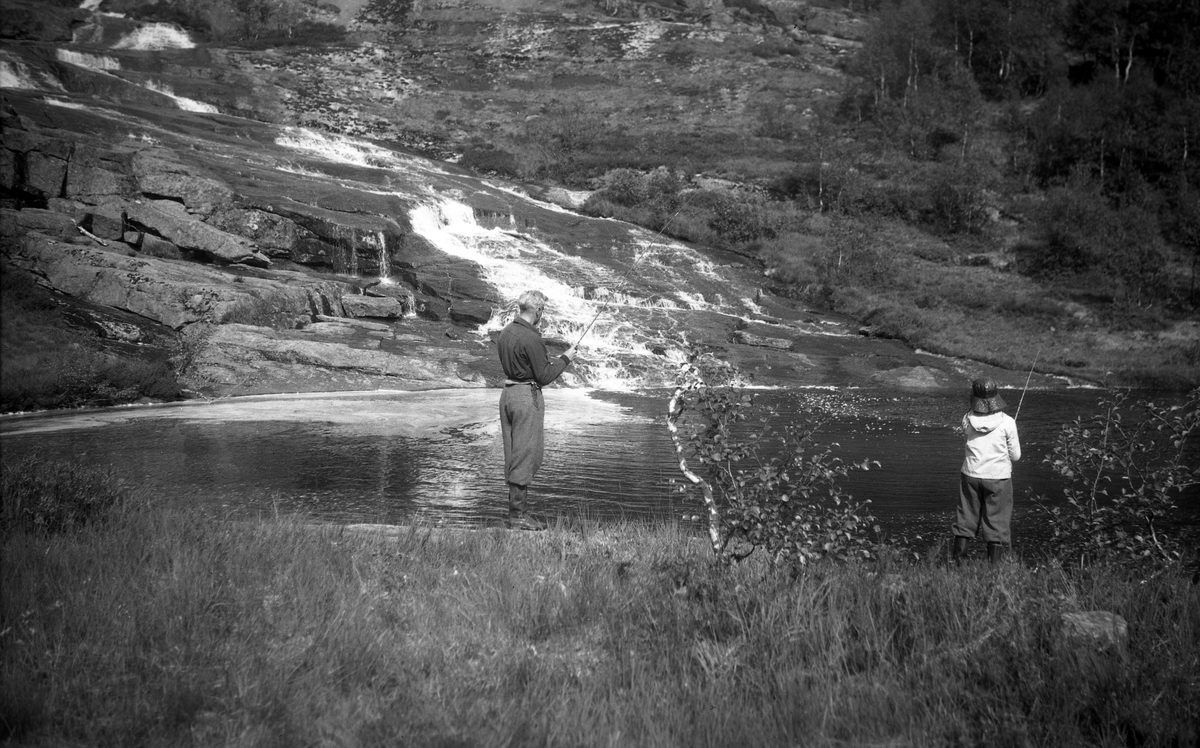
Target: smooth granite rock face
{"x": 371, "y": 306}
{"x": 174, "y": 294}
{"x": 16, "y": 223}
{"x": 171, "y": 221}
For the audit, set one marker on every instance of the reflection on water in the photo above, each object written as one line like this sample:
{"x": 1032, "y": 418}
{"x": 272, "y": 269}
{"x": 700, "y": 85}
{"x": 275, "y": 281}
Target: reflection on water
{"x": 391, "y": 457}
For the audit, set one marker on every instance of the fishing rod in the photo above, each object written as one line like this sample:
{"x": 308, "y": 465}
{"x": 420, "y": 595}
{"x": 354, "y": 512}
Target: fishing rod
{"x": 1022, "y": 400}
{"x": 624, "y": 276}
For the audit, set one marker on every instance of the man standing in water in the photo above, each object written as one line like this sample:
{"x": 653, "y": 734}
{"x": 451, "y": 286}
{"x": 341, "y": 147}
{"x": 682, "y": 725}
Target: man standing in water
{"x": 985, "y": 486}
{"x": 528, "y": 368}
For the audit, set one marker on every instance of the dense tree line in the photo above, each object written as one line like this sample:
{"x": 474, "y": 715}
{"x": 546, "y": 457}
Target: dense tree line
{"x": 1100, "y": 102}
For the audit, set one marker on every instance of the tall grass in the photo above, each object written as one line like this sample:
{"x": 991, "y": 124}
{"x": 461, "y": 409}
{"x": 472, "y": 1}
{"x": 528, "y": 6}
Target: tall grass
{"x": 168, "y": 628}
{"x": 43, "y": 496}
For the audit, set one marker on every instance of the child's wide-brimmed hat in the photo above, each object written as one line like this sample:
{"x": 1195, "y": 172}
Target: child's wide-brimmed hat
{"x": 985, "y": 398}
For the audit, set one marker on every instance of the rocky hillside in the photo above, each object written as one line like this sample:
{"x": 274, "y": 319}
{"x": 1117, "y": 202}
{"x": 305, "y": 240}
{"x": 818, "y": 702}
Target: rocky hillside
{"x": 290, "y": 218}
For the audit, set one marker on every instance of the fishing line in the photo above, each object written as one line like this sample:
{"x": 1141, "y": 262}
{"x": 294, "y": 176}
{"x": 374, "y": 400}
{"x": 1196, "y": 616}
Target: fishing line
{"x": 1022, "y": 400}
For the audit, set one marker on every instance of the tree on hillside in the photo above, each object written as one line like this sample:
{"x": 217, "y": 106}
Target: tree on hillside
{"x": 1011, "y": 47}
{"x": 1117, "y": 250}
{"x": 918, "y": 90}
{"x": 1185, "y": 229}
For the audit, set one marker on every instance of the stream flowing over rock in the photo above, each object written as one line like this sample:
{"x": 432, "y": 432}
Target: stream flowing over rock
{"x": 146, "y": 175}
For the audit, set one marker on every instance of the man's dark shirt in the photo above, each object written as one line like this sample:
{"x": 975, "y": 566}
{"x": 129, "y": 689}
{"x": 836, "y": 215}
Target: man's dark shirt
{"x": 523, "y": 355}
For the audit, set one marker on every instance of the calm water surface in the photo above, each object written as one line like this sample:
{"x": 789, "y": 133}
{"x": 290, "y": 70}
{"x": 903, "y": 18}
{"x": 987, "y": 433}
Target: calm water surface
{"x": 391, "y": 457}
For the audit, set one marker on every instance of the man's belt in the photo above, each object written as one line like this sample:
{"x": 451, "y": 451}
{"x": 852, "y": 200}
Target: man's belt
{"x": 530, "y": 382}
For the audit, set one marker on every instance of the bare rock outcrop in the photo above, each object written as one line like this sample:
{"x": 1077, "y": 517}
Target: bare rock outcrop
{"x": 174, "y": 294}
{"x": 328, "y": 356}
{"x": 171, "y": 221}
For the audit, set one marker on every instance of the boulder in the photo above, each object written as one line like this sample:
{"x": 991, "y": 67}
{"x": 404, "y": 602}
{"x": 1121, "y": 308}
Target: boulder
{"x": 836, "y": 23}
{"x": 449, "y": 278}
{"x": 396, "y": 291}
{"x": 19, "y": 222}
{"x": 91, "y": 183}
{"x": 913, "y": 377}
{"x": 431, "y": 308}
{"x": 273, "y": 234}
{"x": 95, "y": 175}
{"x": 163, "y": 178}
{"x": 372, "y": 306}
{"x": 106, "y": 221}
{"x": 171, "y": 221}
{"x": 158, "y": 247}
{"x": 44, "y": 175}
{"x": 73, "y": 208}
{"x": 1100, "y": 627}
{"x": 8, "y": 170}
{"x": 746, "y": 338}
{"x": 470, "y": 313}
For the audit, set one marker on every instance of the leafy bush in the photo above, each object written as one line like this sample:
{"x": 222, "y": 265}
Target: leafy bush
{"x": 51, "y": 496}
{"x": 1124, "y": 468}
{"x": 1082, "y": 237}
{"x": 738, "y": 219}
{"x": 762, "y": 486}
{"x": 488, "y": 159}
{"x": 956, "y": 207}
{"x": 775, "y": 120}
{"x": 853, "y": 258}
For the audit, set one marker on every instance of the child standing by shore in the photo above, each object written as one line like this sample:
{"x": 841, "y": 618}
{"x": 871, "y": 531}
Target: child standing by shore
{"x": 985, "y": 485}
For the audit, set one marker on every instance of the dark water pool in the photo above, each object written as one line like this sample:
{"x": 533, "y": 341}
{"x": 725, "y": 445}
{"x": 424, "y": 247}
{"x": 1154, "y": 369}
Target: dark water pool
{"x": 390, "y": 457}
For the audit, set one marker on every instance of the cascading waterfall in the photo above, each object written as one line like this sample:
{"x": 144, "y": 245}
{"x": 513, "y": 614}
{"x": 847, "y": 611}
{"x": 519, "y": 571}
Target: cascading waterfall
{"x": 183, "y": 102}
{"x": 345, "y": 258}
{"x": 87, "y": 60}
{"x": 385, "y": 260}
{"x": 106, "y": 64}
{"x": 14, "y": 73}
{"x": 156, "y": 36}
{"x": 638, "y": 337}
{"x": 620, "y": 350}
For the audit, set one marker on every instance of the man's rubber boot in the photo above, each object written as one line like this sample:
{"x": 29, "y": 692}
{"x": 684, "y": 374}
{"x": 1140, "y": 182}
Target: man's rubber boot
{"x": 959, "y": 551}
{"x": 525, "y": 522}
{"x": 995, "y": 552}
{"x": 517, "y": 518}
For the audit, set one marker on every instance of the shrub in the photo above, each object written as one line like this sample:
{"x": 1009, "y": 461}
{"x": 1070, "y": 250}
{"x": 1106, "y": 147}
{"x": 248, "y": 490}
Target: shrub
{"x": 51, "y": 496}
{"x": 762, "y": 486}
{"x": 738, "y": 219}
{"x": 775, "y": 120}
{"x": 1124, "y": 468}
{"x": 854, "y": 259}
{"x": 624, "y": 187}
{"x": 488, "y": 159}
{"x": 956, "y": 207}
{"x": 1083, "y": 237}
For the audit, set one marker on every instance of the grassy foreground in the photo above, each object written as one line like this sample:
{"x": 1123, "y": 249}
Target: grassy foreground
{"x": 162, "y": 628}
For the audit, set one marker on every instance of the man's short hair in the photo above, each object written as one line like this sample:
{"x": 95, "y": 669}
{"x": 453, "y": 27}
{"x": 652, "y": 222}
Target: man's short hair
{"x": 531, "y": 300}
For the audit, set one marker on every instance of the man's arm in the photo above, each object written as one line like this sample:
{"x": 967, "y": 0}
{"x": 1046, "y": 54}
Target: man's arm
{"x": 545, "y": 369}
